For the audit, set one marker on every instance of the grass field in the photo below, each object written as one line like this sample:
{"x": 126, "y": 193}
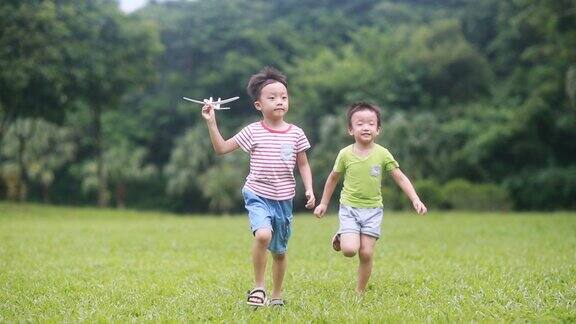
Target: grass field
{"x": 77, "y": 264}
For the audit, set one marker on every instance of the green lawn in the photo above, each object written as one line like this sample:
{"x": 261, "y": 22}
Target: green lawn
{"x": 77, "y": 264}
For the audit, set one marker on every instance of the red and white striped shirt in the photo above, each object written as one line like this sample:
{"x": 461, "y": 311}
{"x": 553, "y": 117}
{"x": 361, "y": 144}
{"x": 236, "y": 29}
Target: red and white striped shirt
{"x": 272, "y": 158}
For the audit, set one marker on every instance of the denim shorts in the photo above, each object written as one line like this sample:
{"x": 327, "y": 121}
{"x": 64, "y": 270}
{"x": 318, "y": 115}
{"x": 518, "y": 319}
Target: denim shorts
{"x": 273, "y": 214}
{"x": 360, "y": 220}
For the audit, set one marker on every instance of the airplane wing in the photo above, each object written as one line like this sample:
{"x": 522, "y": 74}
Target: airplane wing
{"x": 228, "y": 100}
{"x": 196, "y": 101}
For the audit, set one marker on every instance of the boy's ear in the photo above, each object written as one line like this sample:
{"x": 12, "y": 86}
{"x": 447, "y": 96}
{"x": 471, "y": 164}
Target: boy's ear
{"x": 350, "y": 132}
{"x": 257, "y": 105}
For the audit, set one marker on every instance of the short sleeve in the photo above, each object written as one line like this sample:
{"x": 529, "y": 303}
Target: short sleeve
{"x": 302, "y": 143}
{"x": 244, "y": 139}
{"x": 389, "y": 163}
{"x": 339, "y": 165}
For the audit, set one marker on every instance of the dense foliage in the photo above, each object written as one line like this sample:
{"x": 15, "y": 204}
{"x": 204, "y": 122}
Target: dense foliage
{"x": 479, "y": 97}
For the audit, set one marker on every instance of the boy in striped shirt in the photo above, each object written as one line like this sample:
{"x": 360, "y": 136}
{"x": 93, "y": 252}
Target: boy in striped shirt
{"x": 275, "y": 148}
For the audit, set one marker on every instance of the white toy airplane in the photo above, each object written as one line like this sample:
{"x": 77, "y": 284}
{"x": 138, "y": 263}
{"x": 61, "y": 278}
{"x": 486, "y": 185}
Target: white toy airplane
{"x": 215, "y": 104}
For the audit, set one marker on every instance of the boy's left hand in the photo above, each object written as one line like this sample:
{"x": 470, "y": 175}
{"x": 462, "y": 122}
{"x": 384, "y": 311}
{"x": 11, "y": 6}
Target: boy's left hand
{"x": 311, "y": 201}
{"x": 419, "y": 207}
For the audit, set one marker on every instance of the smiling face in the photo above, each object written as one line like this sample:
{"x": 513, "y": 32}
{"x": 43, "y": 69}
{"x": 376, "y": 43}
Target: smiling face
{"x": 364, "y": 126}
{"x": 273, "y": 101}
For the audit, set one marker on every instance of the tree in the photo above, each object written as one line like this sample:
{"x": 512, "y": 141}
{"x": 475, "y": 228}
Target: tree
{"x": 193, "y": 167}
{"x": 107, "y": 54}
{"x": 221, "y": 184}
{"x": 32, "y": 68}
{"x": 36, "y": 149}
{"x": 124, "y": 163}
{"x": 190, "y": 158}
{"x": 416, "y": 68}
{"x": 416, "y": 142}
{"x": 533, "y": 51}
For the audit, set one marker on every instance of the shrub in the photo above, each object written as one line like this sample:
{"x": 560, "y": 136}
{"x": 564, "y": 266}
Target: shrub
{"x": 492, "y": 197}
{"x": 462, "y": 194}
{"x": 429, "y": 192}
{"x": 549, "y": 189}
{"x": 392, "y": 198}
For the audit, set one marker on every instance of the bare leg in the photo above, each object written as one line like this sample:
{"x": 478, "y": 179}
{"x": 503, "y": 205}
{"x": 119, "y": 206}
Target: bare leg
{"x": 278, "y": 270}
{"x": 365, "y": 256}
{"x": 262, "y": 238}
{"x": 349, "y": 244}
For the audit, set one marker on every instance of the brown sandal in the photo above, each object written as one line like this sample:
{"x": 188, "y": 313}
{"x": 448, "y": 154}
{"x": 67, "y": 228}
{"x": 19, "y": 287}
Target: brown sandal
{"x": 253, "y": 299}
{"x": 336, "y": 242}
{"x": 276, "y": 302}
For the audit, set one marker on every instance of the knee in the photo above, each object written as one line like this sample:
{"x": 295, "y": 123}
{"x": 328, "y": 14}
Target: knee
{"x": 279, "y": 257}
{"x": 263, "y": 236}
{"x": 365, "y": 254}
{"x": 349, "y": 252}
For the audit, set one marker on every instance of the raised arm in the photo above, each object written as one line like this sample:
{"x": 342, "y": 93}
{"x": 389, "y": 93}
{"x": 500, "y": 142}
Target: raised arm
{"x": 404, "y": 183}
{"x": 329, "y": 187}
{"x": 306, "y": 175}
{"x": 220, "y": 145}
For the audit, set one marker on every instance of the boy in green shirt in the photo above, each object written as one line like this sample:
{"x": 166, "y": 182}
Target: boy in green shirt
{"x": 362, "y": 164}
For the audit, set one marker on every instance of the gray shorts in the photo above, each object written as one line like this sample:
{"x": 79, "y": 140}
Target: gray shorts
{"x": 360, "y": 220}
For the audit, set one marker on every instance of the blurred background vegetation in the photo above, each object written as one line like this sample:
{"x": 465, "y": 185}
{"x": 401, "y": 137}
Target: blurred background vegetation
{"x": 478, "y": 97}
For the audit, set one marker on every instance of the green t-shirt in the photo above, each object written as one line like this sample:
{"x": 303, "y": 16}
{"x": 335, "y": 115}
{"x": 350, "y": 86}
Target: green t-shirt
{"x": 363, "y": 176}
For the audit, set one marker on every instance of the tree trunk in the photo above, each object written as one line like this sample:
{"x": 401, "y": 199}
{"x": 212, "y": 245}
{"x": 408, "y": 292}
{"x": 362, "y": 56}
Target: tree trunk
{"x": 121, "y": 195}
{"x": 4, "y": 123}
{"x": 103, "y": 197}
{"x": 22, "y": 185}
{"x": 46, "y": 193}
